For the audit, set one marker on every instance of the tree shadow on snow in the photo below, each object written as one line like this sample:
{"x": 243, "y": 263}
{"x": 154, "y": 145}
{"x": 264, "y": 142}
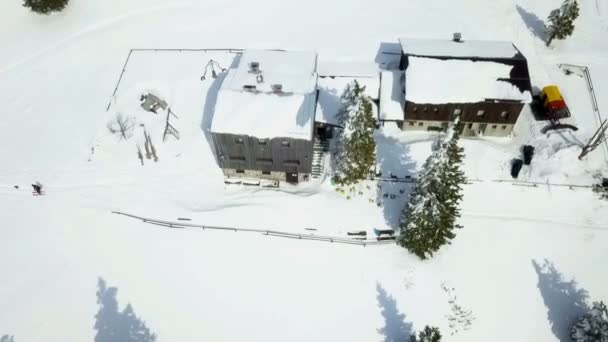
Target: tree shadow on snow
{"x": 395, "y": 328}
{"x": 113, "y": 325}
{"x": 564, "y": 301}
{"x": 533, "y": 22}
{"x": 393, "y": 160}
{"x": 210, "y": 102}
{"x": 329, "y": 101}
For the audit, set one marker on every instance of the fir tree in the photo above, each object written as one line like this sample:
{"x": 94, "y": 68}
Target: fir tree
{"x": 356, "y": 148}
{"x": 592, "y": 327}
{"x": 429, "y": 334}
{"x": 429, "y": 219}
{"x": 45, "y": 6}
{"x": 561, "y": 21}
{"x": 7, "y": 338}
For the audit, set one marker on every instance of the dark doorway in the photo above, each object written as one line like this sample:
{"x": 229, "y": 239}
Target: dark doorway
{"x": 291, "y": 177}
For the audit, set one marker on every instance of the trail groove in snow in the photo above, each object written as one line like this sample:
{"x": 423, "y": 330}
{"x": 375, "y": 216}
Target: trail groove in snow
{"x": 475, "y": 215}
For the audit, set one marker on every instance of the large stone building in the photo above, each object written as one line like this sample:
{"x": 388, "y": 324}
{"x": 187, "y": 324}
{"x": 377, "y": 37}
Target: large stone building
{"x": 263, "y": 121}
{"x": 485, "y": 83}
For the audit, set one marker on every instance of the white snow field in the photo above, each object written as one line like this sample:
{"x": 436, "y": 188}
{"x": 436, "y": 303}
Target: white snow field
{"x": 525, "y": 263}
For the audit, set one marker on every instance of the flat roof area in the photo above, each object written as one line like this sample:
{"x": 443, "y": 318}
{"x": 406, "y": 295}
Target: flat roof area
{"x": 261, "y": 112}
{"x": 391, "y": 95}
{"x": 429, "y": 80}
{"x": 463, "y": 49}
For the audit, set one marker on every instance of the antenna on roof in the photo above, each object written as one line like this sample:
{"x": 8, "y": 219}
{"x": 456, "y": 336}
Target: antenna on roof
{"x": 457, "y": 37}
{"x": 254, "y": 67}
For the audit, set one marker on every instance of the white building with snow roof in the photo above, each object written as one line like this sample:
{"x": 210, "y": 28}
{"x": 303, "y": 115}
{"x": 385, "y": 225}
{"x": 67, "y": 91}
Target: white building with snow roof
{"x": 485, "y": 83}
{"x": 263, "y": 121}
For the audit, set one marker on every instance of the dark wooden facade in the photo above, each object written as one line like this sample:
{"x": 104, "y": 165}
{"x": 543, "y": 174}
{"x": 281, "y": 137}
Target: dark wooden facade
{"x": 489, "y": 111}
{"x": 242, "y": 152}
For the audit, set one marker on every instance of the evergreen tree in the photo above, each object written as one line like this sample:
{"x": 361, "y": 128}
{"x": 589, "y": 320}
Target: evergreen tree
{"x": 7, "y": 338}
{"x": 356, "y": 148}
{"x": 45, "y": 6}
{"x": 592, "y": 327}
{"x": 429, "y": 334}
{"x": 561, "y": 21}
{"x": 429, "y": 219}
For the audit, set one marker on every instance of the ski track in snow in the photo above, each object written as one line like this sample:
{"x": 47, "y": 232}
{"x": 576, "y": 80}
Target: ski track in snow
{"x": 475, "y": 215}
{"x": 104, "y": 23}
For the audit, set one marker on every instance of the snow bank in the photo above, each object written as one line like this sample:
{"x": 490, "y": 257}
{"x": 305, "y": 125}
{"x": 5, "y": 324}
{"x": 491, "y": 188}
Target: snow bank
{"x": 429, "y": 80}
{"x": 391, "y": 95}
{"x": 261, "y": 112}
{"x": 463, "y": 49}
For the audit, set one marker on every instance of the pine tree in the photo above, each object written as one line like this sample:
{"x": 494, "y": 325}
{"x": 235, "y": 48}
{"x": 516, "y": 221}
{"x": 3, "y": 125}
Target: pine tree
{"x": 429, "y": 219}
{"x": 561, "y": 21}
{"x": 429, "y": 334}
{"x": 45, "y": 6}
{"x": 356, "y": 148}
{"x": 593, "y": 326}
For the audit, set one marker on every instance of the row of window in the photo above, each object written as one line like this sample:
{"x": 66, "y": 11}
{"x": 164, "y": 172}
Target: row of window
{"x": 262, "y": 142}
{"x": 243, "y": 171}
{"x": 469, "y": 126}
{"x": 480, "y": 113}
{"x": 288, "y": 162}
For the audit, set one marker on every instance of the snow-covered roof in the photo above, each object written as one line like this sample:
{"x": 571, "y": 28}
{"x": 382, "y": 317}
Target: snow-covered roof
{"x": 462, "y": 49}
{"x": 330, "y": 91}
{"x": 261, "y": 112}
{"x": 429, "y": 80}
{"x": 294, "y": 70}
{"x": 391, "y": 95}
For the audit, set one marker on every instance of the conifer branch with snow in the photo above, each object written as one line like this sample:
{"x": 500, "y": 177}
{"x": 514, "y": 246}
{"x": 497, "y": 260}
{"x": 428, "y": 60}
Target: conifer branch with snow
{"x": 355, "y": 151}
{"x": 593, "y": 326}
{"x": 561, "y": 21}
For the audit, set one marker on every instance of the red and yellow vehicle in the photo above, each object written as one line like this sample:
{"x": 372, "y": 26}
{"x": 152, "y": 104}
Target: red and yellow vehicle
{"x": 552, "y": 103}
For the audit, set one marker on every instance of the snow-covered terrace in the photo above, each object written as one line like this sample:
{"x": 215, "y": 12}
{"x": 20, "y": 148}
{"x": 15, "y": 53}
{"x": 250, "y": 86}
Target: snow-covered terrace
{"x": 429, "y": 80}
{"x": 247, "y": 104}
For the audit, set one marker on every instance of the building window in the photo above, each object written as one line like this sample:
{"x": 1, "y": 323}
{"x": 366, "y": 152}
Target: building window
{"x": 504, "y": 126}
{"x": 420, "y": 123}
{"x": 239, "y": 141}
{"x": 425, "y": 109}
{"x": 504, "y": 114}
{"x": 470, "y": 126}
{"x": 237, "y": 158}
{"x": 457, "y": 111}
{"x": 494, "y": 126}
{"x": 435, "y": 110}
{"x": 414, "y": 109}
{"x": 481, "y": 113}
{"x": 285, "y": 143}
{"x": 263, "y": 142}
{"x": 264, "y": 160}
{"x": 291, "y": 162}
{"x": 411, "y": 123}
{"x": 240, "y": 171}
{"x": 266, "y": 173}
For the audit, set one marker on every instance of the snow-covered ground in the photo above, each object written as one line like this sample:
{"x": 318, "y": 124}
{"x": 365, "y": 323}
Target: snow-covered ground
{"x": 510, "y": 266}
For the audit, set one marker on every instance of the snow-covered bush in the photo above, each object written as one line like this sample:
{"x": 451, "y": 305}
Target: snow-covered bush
{"x": 429, "y": 334}
{"x": 561, "y": 21}
{"x": 45, "y": 6}
{"x": 429, "y": 218}
{"x": 7, "y": 338}
{"x": 356, "y": 149}
{"x": 593, "y": 326}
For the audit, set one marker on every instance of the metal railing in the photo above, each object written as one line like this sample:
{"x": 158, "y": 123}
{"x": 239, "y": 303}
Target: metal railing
{"x": 331, "y": 239}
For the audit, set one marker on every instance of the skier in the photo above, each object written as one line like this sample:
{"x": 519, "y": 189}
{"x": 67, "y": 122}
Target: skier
{"x": 37, "y": 188}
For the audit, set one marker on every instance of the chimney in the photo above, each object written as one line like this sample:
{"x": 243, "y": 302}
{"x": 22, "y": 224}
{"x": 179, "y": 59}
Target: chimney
{"x": 457, "y": 37}
{"x": 254, "y": 67}
{"x": 277, "y": 88}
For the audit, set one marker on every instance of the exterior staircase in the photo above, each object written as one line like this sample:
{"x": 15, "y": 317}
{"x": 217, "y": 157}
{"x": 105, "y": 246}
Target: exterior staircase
{"x": 319, "y": 148}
